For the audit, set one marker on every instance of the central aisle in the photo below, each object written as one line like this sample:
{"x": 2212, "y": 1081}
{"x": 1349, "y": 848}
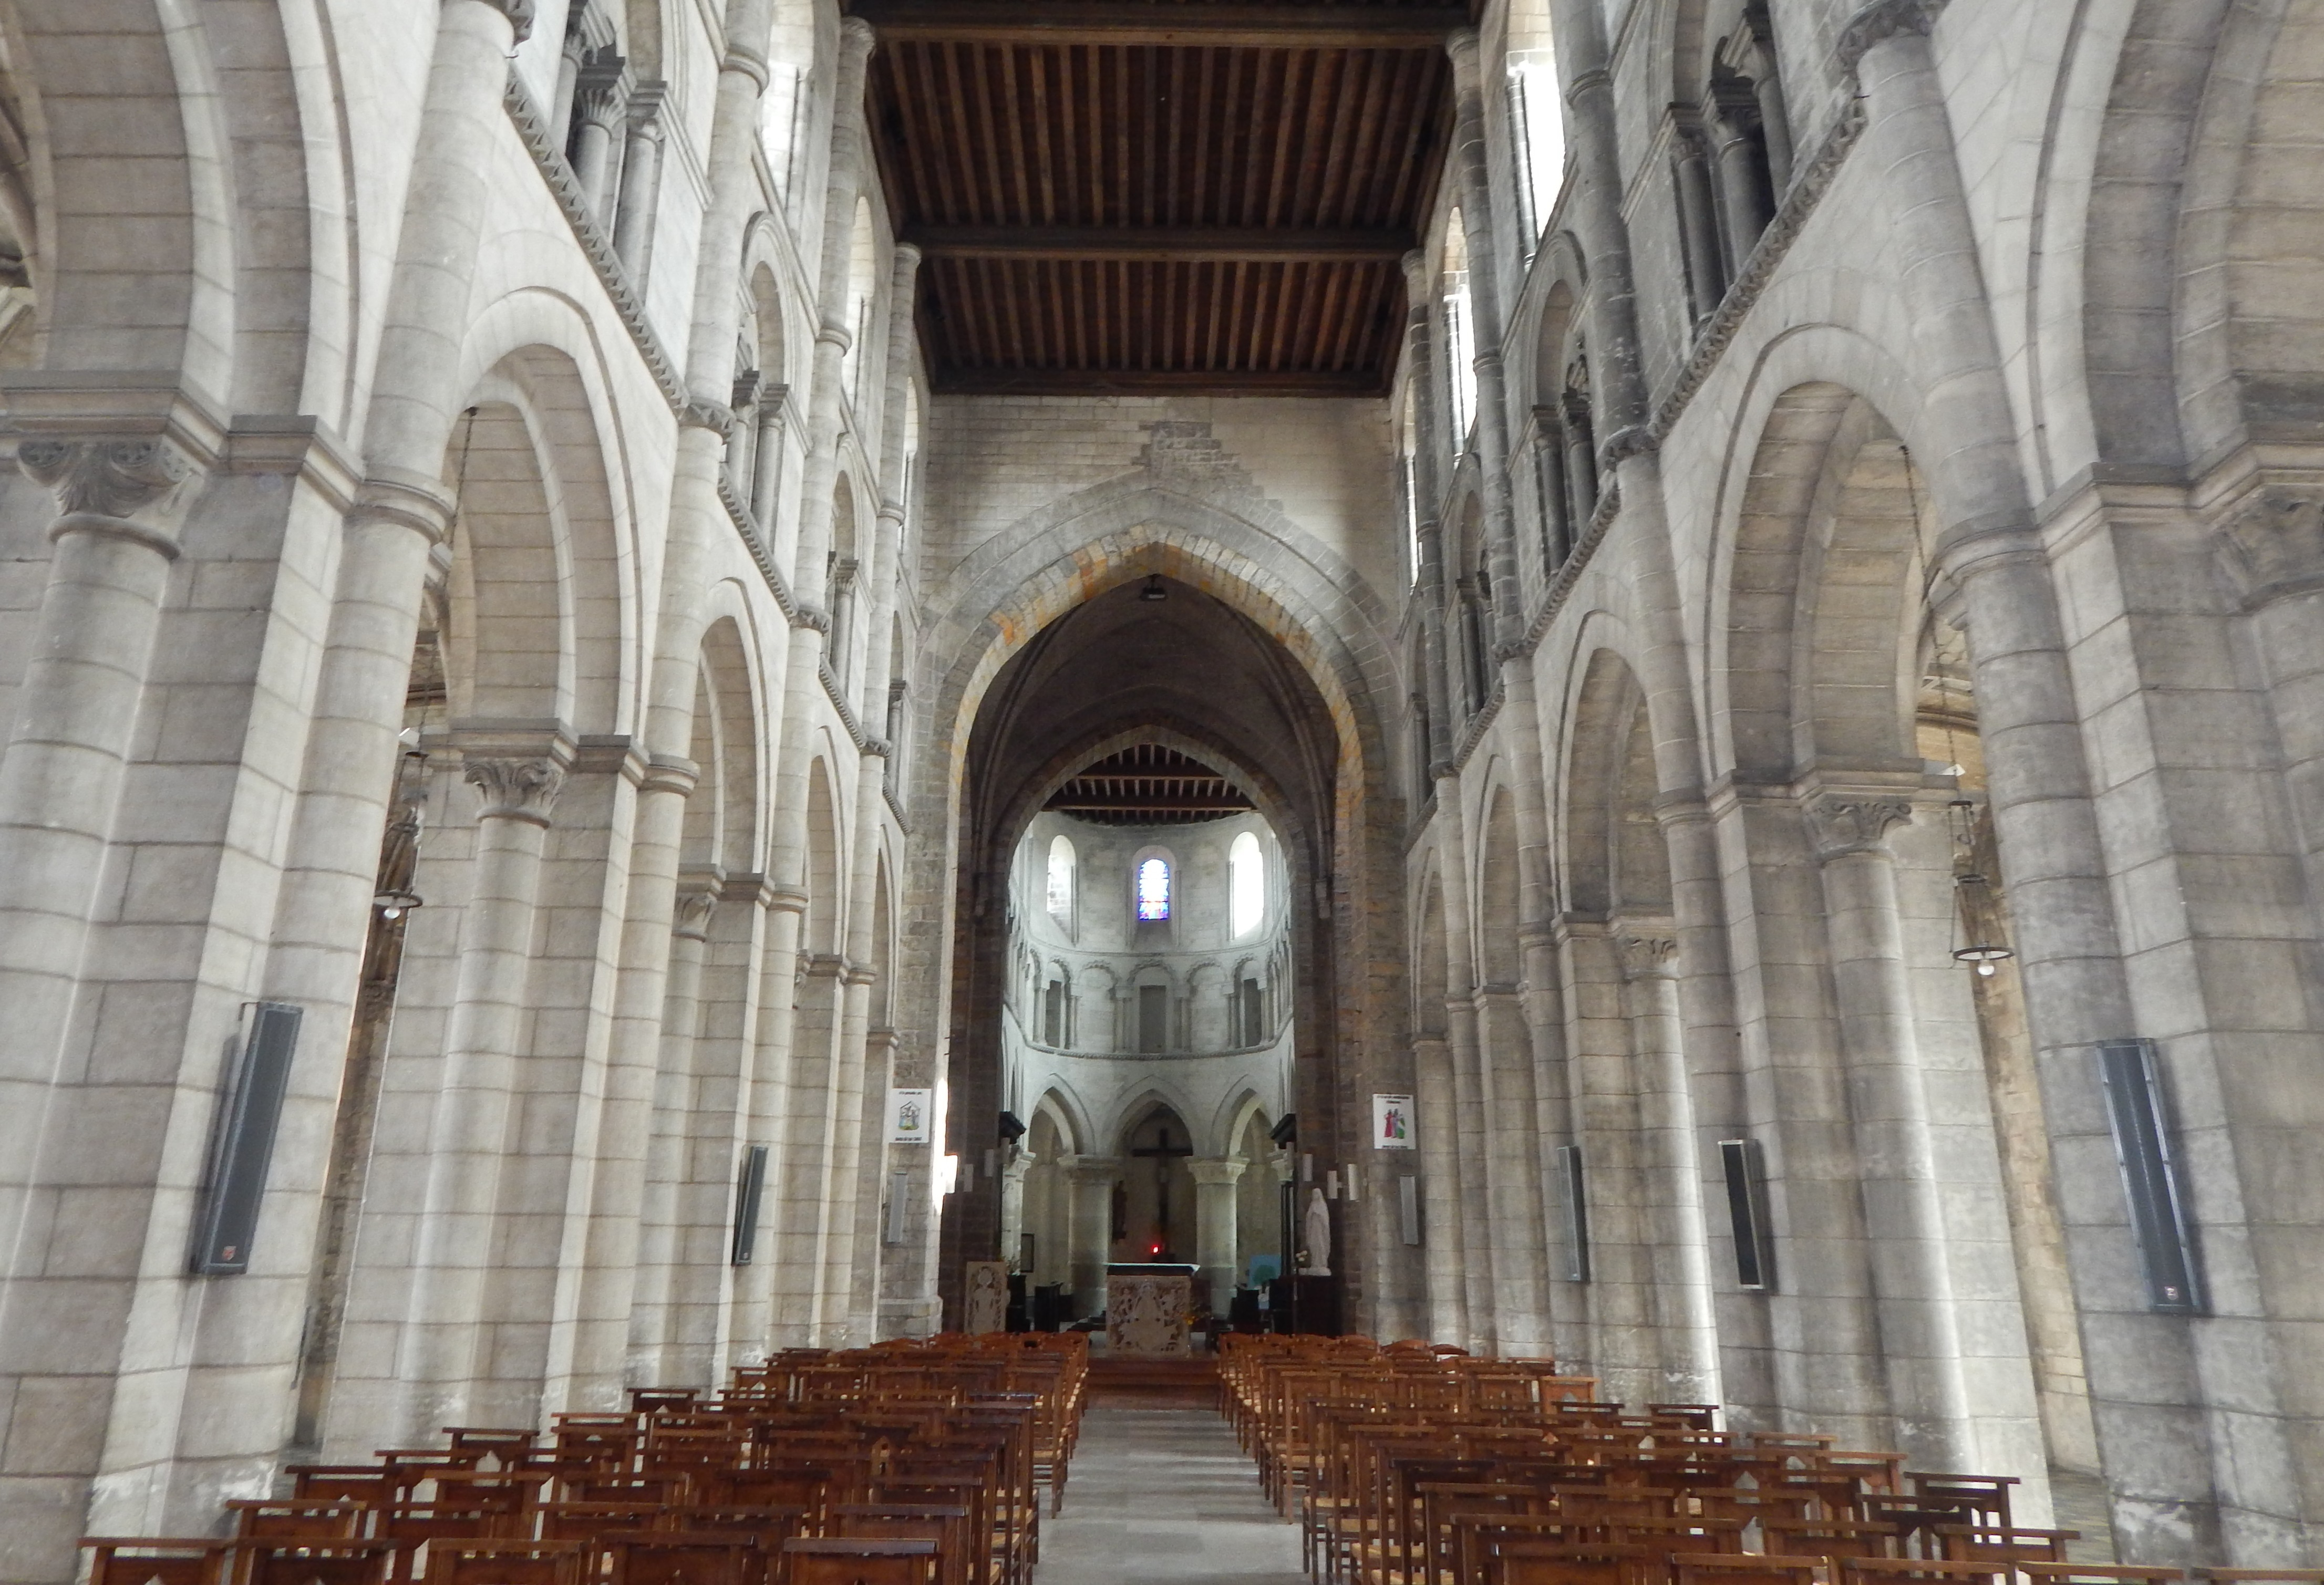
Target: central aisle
{"x": 1165, "y": 1494}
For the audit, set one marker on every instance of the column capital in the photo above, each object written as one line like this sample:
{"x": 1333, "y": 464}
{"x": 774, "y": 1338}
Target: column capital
{"x": 517, "y": 770}
{"x": 698, "y": 893}
{"x": 516, "y": 790}
{"x": 1879, "y": 22}
{"x": 1649, "y": 953}
{"x": 520, "y": 13}
{"x": 668, "y": 773}
{"x": 602, "y": 89}
{"x": 857, "y": 38}
{"x": 131, "y": 487}
{"x": 1465, "y": 50}
{"x": 1845, "y": 823}
{"x": 2272, "y": 544}
{"x": 1091, "y": 1169}
{"x": 1216, "y": 1172}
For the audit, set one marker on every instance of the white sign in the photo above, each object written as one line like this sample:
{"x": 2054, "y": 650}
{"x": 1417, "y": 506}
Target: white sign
{"x": 911, "y": 1116}
{"x": 1392, "y": 1125}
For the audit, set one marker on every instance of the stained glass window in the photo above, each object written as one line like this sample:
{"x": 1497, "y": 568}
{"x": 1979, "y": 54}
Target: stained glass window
{"x": 1061, "y": 881}
{"x": 1154, "y": 889}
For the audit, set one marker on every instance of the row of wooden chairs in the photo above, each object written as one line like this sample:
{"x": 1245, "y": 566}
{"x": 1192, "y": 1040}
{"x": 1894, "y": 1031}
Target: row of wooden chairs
{"x": 1414, "y": 1465}
{"x": 910, "y": 1465}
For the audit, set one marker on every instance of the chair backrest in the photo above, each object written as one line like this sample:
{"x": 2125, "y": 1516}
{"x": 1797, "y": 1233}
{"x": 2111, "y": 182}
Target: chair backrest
{"x": 298, "y": 1516}
{"x": 318, "y": 1563}
{"x": 129, "y": 1561}
{"x": 505, "y": 1562}
{"x": 715, "y": 1557}
{"x": 833, "y": 1560}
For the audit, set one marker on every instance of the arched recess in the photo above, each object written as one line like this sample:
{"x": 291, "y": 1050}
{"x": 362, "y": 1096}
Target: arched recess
{"x": 1300, "y": 629}
{"x": 1847, "y": 689}
{"x": 1499, "y": 959}
{"x": 826, "y": 906}
{"x": 724, "y": 817}
{"x": 537, "y": 596}
{"x": 98, "y": 97}
{"x": 1615, "y": 858}
{"x": 2249, "y": 283}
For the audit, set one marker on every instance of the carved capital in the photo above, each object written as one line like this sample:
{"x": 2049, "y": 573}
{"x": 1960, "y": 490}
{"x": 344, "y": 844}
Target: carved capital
{"x": 520, "y": 13}
{"x": 696, "y": 904}
{"x": 1879, "y": 22}
{"x": 1219, "y": 1172}
{"x": 136, "y": 487}
{"x": 516, "y": 788}
{"x": 1648, "y": 955}
{"x": 1848, "y": 823}
{"x": 2272, "y": 545}
{"x": 706, "y": 415}
{"x": 601, "y": 92}
{"x": 668, "y": 774}
{"x": 1633, "y": 440}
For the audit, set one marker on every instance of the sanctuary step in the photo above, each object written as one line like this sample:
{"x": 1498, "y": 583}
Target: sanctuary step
{"x": 1154, "y": 1384}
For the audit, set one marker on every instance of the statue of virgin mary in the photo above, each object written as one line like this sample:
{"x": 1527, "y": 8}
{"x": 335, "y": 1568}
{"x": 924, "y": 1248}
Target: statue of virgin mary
{"x": 1318, "y": 1235}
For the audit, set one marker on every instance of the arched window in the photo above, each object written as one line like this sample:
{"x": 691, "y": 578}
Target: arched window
{"x": 1061, "y": 882}
{"x": 1246, "y": 885}
{"x": 1153, "y": 890}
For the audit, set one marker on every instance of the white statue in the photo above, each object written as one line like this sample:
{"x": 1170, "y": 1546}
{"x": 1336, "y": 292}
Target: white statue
{"x": 1319, "y": 1236}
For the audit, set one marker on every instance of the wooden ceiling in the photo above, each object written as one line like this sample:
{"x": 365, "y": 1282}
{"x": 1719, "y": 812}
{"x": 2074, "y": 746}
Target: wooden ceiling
{"x": 1149, "y": 784}
{"x": 1145, "y": 196}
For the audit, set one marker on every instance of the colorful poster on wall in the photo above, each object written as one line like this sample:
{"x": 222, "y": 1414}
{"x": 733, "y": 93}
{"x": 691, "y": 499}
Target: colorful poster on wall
{"x": 911, "y": 1116}
{"x": 1392, "y": 1122}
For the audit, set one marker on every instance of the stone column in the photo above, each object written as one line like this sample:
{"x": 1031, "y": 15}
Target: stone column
{"x": 1481, "y": 224}
{"x": 661, "y": 1212}
{"x": 1742, "y": 197}
{"x": 1448, "y": 1298}
{"x": 1671, "y": 1169}
{"x": 623, "y": 1128}
{"x": 1214, "y": 1223}
{"x": 2157, "y": 1441}
{"x": 1429, "y": 577}
{"x": 601, "y": 95}
{"x": 766, "y": 480}
{"x": 636, "y": 216}
{"x": 1903, "y": 1218}
{"x": 120, "y": 501}
{"x": 453, "y": 1258}
{"x": 1706, "y": 265}
{"x": 1472, "y": 1152}
{"x": 1094, "y": 1177}
{"x": 1012, "y": 1209}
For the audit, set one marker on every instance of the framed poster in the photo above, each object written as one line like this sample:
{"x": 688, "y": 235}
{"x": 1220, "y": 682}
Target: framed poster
{"x": 1392, "y": 1127}
{"x": 911, "y": 1116}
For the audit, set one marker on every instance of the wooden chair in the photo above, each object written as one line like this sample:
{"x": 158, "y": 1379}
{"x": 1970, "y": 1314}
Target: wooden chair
{"x": 2097, "y": 1573}
{"x": 151, "y": 1562}
{"x": 699, "y": 1557}
{"x": 1976, "y": 1543}
{"x": 586, "y": 1521}
{"x": 1698, "y": 1568}
{"x": 944, "y": 1524}
{"x": 505, "y": 1562}
{"x": 1538, "y": 1563}
{"x": 321, "y": 1563}
{"x": 1895, "y": 1571}
{"x": 2260, "y": 1576}
{"x": 320, "y": 1520}
{"x": 835, "y": 1560}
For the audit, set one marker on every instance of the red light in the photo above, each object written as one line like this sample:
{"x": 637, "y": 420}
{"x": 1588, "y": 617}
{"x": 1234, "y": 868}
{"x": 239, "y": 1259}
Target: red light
{"x": 1154, "y": 1249}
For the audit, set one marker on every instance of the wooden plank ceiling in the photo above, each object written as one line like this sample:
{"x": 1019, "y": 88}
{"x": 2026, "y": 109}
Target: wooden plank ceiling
{"x": 1145, "y": 196}
{"x": 1147, "y": 784}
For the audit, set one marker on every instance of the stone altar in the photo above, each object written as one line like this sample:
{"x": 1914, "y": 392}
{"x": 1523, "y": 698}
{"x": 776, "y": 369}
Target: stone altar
{"x": 1146, "y": 1310}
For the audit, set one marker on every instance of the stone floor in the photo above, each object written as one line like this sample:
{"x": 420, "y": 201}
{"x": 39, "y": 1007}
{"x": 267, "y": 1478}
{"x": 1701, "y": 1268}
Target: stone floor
{"x": 1165, "y": 1495}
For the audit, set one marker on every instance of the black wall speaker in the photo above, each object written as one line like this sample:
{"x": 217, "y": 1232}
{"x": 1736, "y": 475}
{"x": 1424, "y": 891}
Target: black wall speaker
{"x": 1575, "y": 1206}
{"x": 243, "y": 1146}
{"x": 1747, "y": 1206}
{"x": 749, "y": 1188}
{"x": 2140, "y": 1115}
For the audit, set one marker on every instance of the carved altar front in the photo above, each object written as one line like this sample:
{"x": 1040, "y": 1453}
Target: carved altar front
{"x": 1146, "y": 1311}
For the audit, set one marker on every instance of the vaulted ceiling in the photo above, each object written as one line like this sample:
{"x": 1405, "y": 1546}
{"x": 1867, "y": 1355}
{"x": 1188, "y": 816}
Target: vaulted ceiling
{"x": 1146, "y": 196}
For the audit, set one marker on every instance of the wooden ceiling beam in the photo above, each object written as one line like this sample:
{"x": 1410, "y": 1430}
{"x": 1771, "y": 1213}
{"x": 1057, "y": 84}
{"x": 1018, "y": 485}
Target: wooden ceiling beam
{"x": 992, "y": 381}
{"x": 1173, "y": 244}
{"x": 1164, "y": 24}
